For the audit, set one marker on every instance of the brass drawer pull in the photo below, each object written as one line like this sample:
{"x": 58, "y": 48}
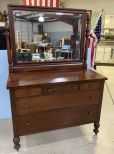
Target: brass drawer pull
{"x": 90, "y": 97}
{"x": 73, "y": 86}
{"x": 28, "y": 123}
{"x": 89, "y": 85}
{"x": 89, "y": 112}
{"x": 26, "y": 105}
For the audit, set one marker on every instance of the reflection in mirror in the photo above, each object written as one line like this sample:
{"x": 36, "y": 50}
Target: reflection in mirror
{"x": 47, "y": 36}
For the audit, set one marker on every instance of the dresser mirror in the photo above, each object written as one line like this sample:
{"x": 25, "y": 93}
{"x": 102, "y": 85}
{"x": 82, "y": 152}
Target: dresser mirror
{"x": 41, "y": 35}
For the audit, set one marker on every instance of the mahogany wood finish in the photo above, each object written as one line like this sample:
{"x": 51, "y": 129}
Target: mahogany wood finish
{"x": 45, "y": 99}
{"x": 54, "y": 119}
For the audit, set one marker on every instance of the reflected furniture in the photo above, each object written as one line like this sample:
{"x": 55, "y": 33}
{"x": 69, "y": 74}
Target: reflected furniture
{"x": 52, "y": 93}
{"x": 68, "y": 52}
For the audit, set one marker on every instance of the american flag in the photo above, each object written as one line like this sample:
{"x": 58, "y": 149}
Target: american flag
{"x": 98, "y": 28}
{"x": 93, "y": 39}
{"x": 45, "y": 3}
{"x": 92, "y": 43}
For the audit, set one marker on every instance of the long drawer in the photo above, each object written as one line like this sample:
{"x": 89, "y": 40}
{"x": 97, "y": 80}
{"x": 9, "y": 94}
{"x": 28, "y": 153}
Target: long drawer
{"x": 54, "y": 119}
{"x": 56, "y": 101}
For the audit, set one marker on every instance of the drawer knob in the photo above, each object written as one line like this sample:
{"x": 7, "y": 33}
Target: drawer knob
{"x": 89, "y": 112}
{"x": 28, "y": 123}
{"x": 90, "y": 97}
{"x": 89, "y": 85}
{"x": 26, "y": 105}
{"x": 73, "y": 86}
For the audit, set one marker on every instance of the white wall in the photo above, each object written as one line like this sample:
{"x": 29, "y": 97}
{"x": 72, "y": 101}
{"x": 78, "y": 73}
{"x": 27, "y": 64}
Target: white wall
{"x": 26, "y": 29}
{"x": 3, "y": 3}
{"x": 57, "y": 26}
{"x": 109, "y": 21}
{"x": 96, "y": 5}
{"x": 35, "y": 27}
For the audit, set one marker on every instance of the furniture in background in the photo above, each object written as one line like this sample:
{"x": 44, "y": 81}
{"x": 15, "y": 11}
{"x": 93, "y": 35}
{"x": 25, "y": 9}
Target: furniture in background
{"x": 54, "y": 94}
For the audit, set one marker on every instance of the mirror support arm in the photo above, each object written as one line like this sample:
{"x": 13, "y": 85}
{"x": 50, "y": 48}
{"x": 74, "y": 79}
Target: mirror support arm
{"x": 7, "y": 39}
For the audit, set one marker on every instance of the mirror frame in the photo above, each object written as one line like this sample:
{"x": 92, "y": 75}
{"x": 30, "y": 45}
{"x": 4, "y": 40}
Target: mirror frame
{"x": 41, "y": 65}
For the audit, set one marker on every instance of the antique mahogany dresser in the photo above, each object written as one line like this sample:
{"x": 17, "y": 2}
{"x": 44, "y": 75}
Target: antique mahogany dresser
{"x": 49, "y": 83}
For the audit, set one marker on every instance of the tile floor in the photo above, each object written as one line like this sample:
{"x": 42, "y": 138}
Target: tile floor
{"x": 75, "y": 140}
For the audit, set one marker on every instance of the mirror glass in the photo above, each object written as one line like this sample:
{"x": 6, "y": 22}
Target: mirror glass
{"x": 47, "y": 36}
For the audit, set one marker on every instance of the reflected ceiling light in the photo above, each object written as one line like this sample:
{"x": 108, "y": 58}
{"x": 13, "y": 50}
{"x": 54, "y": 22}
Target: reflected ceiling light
{"x": 60, "y": 79}
{"x": 59, "y": 13}
{"x": 17, "y": 14}
{"x": 41, "y": 19}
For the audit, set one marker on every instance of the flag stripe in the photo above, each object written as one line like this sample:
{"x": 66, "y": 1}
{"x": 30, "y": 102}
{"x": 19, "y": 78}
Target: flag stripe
{"x": 54, "y": 3}
{"x": 43, "y": 2}
{"x": 24, "y": 2}
{"x": 92, "y": 52}
{"x": 46, "y": 3}
{"x": 30, "y": 2}
{"x": 57, "y": 3}
{"x": 35, "y": 2}
{"x": 27, "y": 2}
{"x": 51, "y": 3}
{"x": 40, "y": 2}
{"x": 92, "y": 42}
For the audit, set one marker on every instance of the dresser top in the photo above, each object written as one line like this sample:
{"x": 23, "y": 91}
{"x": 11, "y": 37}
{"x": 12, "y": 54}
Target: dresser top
{"x": 23, "y": 79}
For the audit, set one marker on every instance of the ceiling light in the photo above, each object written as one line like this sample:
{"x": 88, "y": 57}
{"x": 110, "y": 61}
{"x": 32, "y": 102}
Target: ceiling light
{"x": 41, "y": 19}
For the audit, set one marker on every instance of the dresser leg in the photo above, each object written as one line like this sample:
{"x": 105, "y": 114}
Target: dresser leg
{"x": 16, "y": 141}
{"x": 96, "y": 127}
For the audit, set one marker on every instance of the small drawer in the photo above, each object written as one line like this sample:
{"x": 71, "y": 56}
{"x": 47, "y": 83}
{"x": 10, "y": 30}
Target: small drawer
{"x": 90, "y": 86}
{"x": 61, "y": 88}
{"x": 26, "y": 92}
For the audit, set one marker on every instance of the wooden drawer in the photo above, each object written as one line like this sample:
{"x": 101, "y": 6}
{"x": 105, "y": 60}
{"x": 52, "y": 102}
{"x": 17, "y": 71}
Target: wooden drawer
{"x": 56, "y": 101}
{"x": 43, "y": 121}
{"x": 26, "y": 92}
{"x": 61, "y": 88}
{"x": 90, "y": 86}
